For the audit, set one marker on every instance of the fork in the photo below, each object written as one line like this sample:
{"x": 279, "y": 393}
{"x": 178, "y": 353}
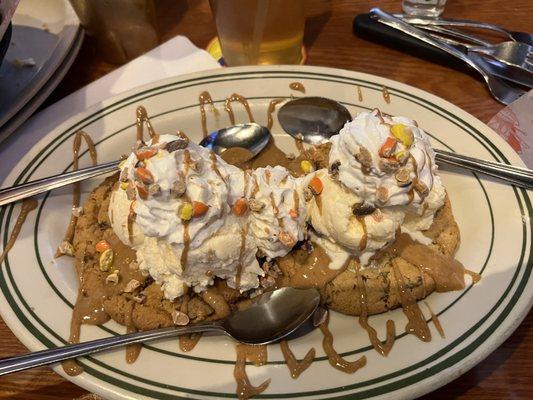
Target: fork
{"x": 522, "y": 37}
{"x": 500, "y": 90}
{"x": 514, "y": 54}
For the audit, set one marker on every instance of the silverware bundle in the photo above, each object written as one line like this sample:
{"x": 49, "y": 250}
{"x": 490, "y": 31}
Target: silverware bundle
{"x": 506, "y": 67}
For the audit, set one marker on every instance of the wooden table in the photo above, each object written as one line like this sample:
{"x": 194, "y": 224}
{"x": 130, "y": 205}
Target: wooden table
{"x": 505, "y": 374}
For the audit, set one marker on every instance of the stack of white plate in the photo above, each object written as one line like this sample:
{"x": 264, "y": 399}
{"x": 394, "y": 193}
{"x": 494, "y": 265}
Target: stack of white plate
{"x": 46, "y": 39}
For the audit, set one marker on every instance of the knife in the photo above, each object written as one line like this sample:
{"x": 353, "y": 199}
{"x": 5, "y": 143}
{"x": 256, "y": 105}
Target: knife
{"x": 368, "y": 28}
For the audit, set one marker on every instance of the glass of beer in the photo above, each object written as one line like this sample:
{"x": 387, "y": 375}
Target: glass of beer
{"x": 123, "y": 29}
{"x": 255, "y": 32}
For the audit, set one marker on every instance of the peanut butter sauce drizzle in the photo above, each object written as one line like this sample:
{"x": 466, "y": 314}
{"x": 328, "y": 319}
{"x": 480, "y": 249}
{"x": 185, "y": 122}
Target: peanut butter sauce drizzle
{"x": 188, "y": 342}
{"x": 241, "y": 99}
{"x": 270, "y": 111}
{"x": 416, "y": 324}
{"x": 214, "y": 166}
{"x": 238, "y": 276}
{"x": 205, "y": 98}
{"x": 245, "y": 180}
{"x": 318, "y": 202}
{"x": 386, "y": 95}
{"x": 411, "y": 191}
{"x": 296, "y": 367}
{"x": 186, "y": 244}
{"x": 435, "y": 320}
{"x": 142, "y": 119}
{"x": 131, "y": 219}
{"x": 132, "y": 350}
{"x": 69, "y": 234}
{"x": 298, "y": 86}
{"x": 364, "y": 237}
{"x": 258, "y": 356}
{"x": 359, "y": 94}
{"x": 382, "y": 348}
{"x": 275, "y": 208}
{"x": 255, "y": 188}
{"x": 186, "y": 161}
{"x": 296, "y": 199}
{"x": 335, "y": 360}
{"x": 28, "y": 205}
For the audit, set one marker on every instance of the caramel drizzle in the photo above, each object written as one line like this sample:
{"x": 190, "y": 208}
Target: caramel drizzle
{"x": 69, "y": 234}
{"x": 299, "y": 87}
{"x": 275, "y": 208}
{"x": 188, "y": 342}
{"x": 205, "y": 98}
{"x": 386, "y": 95}
{"x": 359, "y": 94}
{"x": 214, "y": 166}
{"x": 142, "y": 119}
{"x": 296, "y": 367}
{"x": 132, "y": 350}
{"x": 381, "y": 348}
{"x": 257, "y": 355}
{"x": 335, "y": 360}
{"x": 364, "y": 237}
{"x": 300, "y": 147}
{"x": 238, "y": 276}
{"x": 28, "y": 205}
{"x": 240, "y": 99}
{"x": 271, "y": 108}
{"x": 245, "y": 180}
{"x": 255, "y": 188}
{"x": 186, "y": 244}
{"x": 131, "y": 219}
{"x": 435, "y": 320}
{"x": 296, "y": 199}
{"x": 416, "y": 324}
{"x": 411, "y": 192}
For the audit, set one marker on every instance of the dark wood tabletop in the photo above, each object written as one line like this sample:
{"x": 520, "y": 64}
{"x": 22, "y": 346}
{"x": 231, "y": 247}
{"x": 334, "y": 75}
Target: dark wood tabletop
{"x": 505, "y": 374}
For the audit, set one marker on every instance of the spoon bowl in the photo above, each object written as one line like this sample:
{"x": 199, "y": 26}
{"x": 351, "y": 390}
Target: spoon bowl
{"x": 313, "y": 119}
{"x": 279, "y": 313}
{"x": 251, "y": 136}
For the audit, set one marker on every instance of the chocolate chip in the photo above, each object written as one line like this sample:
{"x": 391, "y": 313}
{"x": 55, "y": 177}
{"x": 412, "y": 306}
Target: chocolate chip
{"x": 334, "y": 168}
{"x": 363, "y": 208}
{"x": 177, "y": 144}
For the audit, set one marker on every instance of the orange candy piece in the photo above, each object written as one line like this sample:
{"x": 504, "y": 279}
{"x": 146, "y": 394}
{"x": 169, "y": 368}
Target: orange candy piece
{"x": 102, "y": 246}
{"x": 316, "y": 185}
{"x": 387, "y": 149}
{"x": 240, "y": 207}
{"x": 144, "y": 175}
{"x": 143, "y": 154}
{"x": 293, "y": 213}
{"x": 199, "y": 208}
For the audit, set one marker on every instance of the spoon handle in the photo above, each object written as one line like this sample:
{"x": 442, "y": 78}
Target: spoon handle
{"x": 45, "y": 357}
{"x": 20, "y": 192}
{"x": 521, "y": 177}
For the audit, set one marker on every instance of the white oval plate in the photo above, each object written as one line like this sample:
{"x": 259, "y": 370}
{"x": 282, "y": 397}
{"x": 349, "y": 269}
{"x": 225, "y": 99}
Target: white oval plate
{"x": 37, "y": 292}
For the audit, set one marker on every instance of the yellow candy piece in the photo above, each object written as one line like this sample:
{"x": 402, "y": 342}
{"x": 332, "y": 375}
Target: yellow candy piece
{"x": 124, "y": 185}
{"x": 106, "y": 260}
{"x": 122, "y": 163}
{"x": 403, "y": 134}
{"x": 186, "y": 211}
{"x": 306, "y": 166}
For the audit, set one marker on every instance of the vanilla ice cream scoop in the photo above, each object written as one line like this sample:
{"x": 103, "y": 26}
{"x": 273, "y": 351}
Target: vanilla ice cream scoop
{"x": 333, "y": 215}
{"x": 277, "y": 219}
{"x": 384, "y": 160}
{"x": 179, "y": 217}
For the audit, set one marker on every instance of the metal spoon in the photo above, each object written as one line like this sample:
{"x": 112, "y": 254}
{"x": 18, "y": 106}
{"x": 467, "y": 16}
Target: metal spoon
{"x": 252, "y": 137}
{"x": 271, "y": 317}
{"x": 298, "y": 123}
{"x": 317, "y": 118}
